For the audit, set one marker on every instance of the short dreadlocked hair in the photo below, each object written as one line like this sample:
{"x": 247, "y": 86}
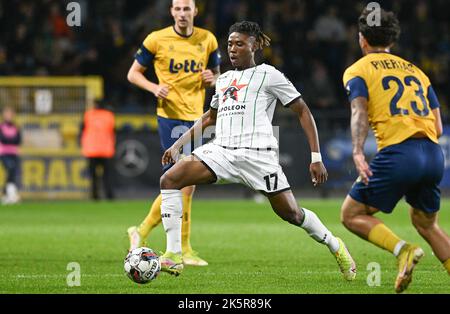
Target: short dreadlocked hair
{"x": 251, "y": 29}
{"x": 383, "y": 35}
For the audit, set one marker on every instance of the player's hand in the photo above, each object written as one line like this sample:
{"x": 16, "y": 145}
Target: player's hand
{"x": 318, "y": 172}
{"x": 208, "y": 77}
{"x": 362, "y": 167}
{"x": 162, "y": 91}
{"x": 171, "y": 155}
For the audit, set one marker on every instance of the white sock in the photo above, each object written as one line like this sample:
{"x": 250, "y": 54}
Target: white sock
{"x": 316, "y": 230}
{"x": 398, "y": 247}
{"x": 171, "y": 214}
{"x": 11, "y": 190}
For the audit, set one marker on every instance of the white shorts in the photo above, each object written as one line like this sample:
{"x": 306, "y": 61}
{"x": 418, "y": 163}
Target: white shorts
{"x": 258, "y": 169}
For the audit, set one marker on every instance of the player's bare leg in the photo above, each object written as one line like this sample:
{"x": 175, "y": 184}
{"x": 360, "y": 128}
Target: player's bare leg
{"x": 427, "y": 226}
{"x": 189, "y": 190}
{"x": 358, "y": 218}
{"x": 187, "y": 172}
{"x": 285, "y": 206}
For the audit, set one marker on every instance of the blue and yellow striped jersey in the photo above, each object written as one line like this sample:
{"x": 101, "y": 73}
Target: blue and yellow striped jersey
{"x": 178, "y": 62}
{"x": 400, "y": 97}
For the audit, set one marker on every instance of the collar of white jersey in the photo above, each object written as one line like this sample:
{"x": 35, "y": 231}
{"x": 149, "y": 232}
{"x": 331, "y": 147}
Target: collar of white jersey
{"x": 254, "y": 67}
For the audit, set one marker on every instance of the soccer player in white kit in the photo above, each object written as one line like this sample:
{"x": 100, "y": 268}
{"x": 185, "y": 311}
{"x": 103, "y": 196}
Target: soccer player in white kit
{"x": 244, "y": 149}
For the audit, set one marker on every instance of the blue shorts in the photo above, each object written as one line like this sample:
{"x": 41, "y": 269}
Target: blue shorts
{"x": 170, "y": 131}
{"x": 413, "y": 168}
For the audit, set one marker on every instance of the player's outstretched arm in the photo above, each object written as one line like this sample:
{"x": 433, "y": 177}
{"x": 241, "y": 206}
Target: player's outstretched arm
{"x": 317, "y": 169}
{"x": 360, "y": 129}
{"x": 208, "y": 119}
{"x": 136, "y": 77}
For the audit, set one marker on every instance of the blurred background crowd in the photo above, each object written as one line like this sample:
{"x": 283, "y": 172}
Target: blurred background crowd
{"x": 312, "y": 42}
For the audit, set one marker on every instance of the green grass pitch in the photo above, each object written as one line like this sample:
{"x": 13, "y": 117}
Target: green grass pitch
{"x": 250, "y": 250}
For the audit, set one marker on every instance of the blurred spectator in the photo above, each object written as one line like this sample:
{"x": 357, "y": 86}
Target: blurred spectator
{"x": 10, "y": 139}
{"x": 329, "y": 27}
{"x": 98, "y": 146}
{"x": 3, "y": 63}
{"x": 58, "y": 22}
{"x": 36, "y": 40}
{"x": 319, "y": 90}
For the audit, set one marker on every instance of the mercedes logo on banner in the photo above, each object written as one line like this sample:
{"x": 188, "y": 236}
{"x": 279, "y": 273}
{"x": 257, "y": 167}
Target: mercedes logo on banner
{"x": 132, "y": 158}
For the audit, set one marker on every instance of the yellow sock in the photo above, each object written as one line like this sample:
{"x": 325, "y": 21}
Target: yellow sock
{"x": 383, "y": 237}
{"x": 447, "y": 265}
{"x": 186, "y": 225}
{"x": 153, "y": 218}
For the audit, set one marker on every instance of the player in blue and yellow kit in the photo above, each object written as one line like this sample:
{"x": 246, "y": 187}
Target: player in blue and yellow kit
{"x": 397, "y": 100}
{"x": 186, "y": 60}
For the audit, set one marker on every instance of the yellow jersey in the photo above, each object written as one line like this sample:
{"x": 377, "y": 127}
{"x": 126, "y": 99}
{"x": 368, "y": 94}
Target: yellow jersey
{"x": 178, "y": 61}
{"x": 400, "y": 97}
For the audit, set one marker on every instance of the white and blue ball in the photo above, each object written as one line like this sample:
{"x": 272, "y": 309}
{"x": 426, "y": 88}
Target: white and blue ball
{"x": 142, "y": 265}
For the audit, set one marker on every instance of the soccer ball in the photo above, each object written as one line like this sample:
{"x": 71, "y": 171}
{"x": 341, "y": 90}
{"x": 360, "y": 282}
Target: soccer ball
{"x": 142, "y": 265}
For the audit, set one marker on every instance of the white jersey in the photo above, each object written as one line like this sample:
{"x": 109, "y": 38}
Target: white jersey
{"x": 245, "y": 102}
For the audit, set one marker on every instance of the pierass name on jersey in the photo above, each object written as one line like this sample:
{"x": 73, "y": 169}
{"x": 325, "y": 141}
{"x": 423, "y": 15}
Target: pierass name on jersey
{"x": 389, "y": 64}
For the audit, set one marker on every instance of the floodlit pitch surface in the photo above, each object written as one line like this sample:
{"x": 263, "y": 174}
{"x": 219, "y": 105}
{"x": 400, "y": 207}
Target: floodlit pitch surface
{"x": 250, "y": 250}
